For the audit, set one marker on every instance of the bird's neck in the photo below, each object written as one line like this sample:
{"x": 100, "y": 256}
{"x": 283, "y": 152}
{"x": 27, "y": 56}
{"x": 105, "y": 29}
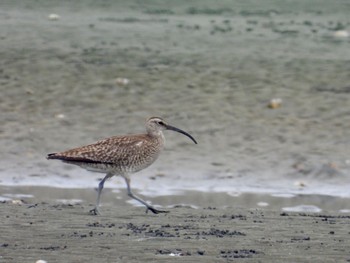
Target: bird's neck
{"x": 157, "y": 135}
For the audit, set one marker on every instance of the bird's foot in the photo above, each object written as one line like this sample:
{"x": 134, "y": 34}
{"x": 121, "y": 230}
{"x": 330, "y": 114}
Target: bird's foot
{"x": 95, "y": 212}
{"x": 155, "y": 211}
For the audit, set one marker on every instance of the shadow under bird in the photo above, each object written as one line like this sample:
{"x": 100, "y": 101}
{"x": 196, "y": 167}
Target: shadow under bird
{"x": 121, "y": 155}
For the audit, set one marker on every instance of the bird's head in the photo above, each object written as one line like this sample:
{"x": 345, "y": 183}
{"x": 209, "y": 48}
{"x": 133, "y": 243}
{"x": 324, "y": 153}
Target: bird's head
{"x": 155, "y": 126}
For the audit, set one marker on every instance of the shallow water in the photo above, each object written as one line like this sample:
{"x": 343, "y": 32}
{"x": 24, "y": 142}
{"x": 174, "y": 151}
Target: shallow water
{"x": 118, "y": 199}
{"x": 210, "y": 71}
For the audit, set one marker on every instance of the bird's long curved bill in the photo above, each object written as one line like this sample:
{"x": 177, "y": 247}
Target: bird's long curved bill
{"x": 181, "y": 131}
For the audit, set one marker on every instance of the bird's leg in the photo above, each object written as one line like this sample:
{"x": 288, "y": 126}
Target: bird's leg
{"x": 96, "y": 211}
{"x": 149, "y": 207}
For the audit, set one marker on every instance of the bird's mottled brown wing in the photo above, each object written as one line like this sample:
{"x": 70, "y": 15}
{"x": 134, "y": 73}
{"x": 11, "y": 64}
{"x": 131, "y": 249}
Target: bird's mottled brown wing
{"x": 111, "y": 150}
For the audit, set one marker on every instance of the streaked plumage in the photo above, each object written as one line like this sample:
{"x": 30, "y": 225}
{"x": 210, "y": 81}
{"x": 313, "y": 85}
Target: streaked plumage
{"x": 121, "y": 155}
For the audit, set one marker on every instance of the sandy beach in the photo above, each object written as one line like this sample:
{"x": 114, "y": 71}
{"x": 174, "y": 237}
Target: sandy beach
{"x": 65, "y": 233}
{"x": 265, "y": 183}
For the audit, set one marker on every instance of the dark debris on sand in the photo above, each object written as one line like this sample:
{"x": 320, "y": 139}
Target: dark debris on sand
{"x": 67, "y": 233}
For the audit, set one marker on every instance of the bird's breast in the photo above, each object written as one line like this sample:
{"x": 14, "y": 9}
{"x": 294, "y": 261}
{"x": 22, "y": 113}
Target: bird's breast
{"x": 141, "y": 155}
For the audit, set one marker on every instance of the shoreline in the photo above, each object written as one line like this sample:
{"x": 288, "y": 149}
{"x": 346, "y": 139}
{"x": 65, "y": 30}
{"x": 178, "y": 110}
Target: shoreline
{"x": 194, "y": 199}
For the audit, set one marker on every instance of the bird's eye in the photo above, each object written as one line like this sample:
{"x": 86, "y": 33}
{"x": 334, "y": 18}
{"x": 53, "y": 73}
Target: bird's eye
{"x": 160, "y": 123}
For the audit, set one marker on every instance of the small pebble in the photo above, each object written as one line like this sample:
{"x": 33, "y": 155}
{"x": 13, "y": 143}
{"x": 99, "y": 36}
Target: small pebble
{"x": 122, "y": 81}
{"x": 17, "y": 202}
{"x": 275, "y": 103}
{"x": 41, "y": 261}
{"x": 300, "y": 184}
{"x": 60, "y": 116}
{"x": 29, "y": 91}
{"x": 262, "y": 204}
{"x": 54, "y": 17}
{"x": 341, "y": 33}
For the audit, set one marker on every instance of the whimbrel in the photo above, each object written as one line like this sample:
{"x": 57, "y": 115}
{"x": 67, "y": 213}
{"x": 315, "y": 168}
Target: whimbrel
{"x": 121, "y": 155}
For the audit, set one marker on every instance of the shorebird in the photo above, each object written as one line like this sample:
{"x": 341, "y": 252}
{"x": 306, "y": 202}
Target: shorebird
{"x": 121, "y": 155}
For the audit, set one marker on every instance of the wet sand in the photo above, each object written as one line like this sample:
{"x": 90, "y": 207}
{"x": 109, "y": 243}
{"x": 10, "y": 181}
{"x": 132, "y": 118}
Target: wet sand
{"x": 66, "y": 233}
{"x": 215, "y": 230}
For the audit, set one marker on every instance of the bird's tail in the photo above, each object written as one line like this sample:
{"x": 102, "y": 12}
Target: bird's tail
{"x": 52, "y": 156}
